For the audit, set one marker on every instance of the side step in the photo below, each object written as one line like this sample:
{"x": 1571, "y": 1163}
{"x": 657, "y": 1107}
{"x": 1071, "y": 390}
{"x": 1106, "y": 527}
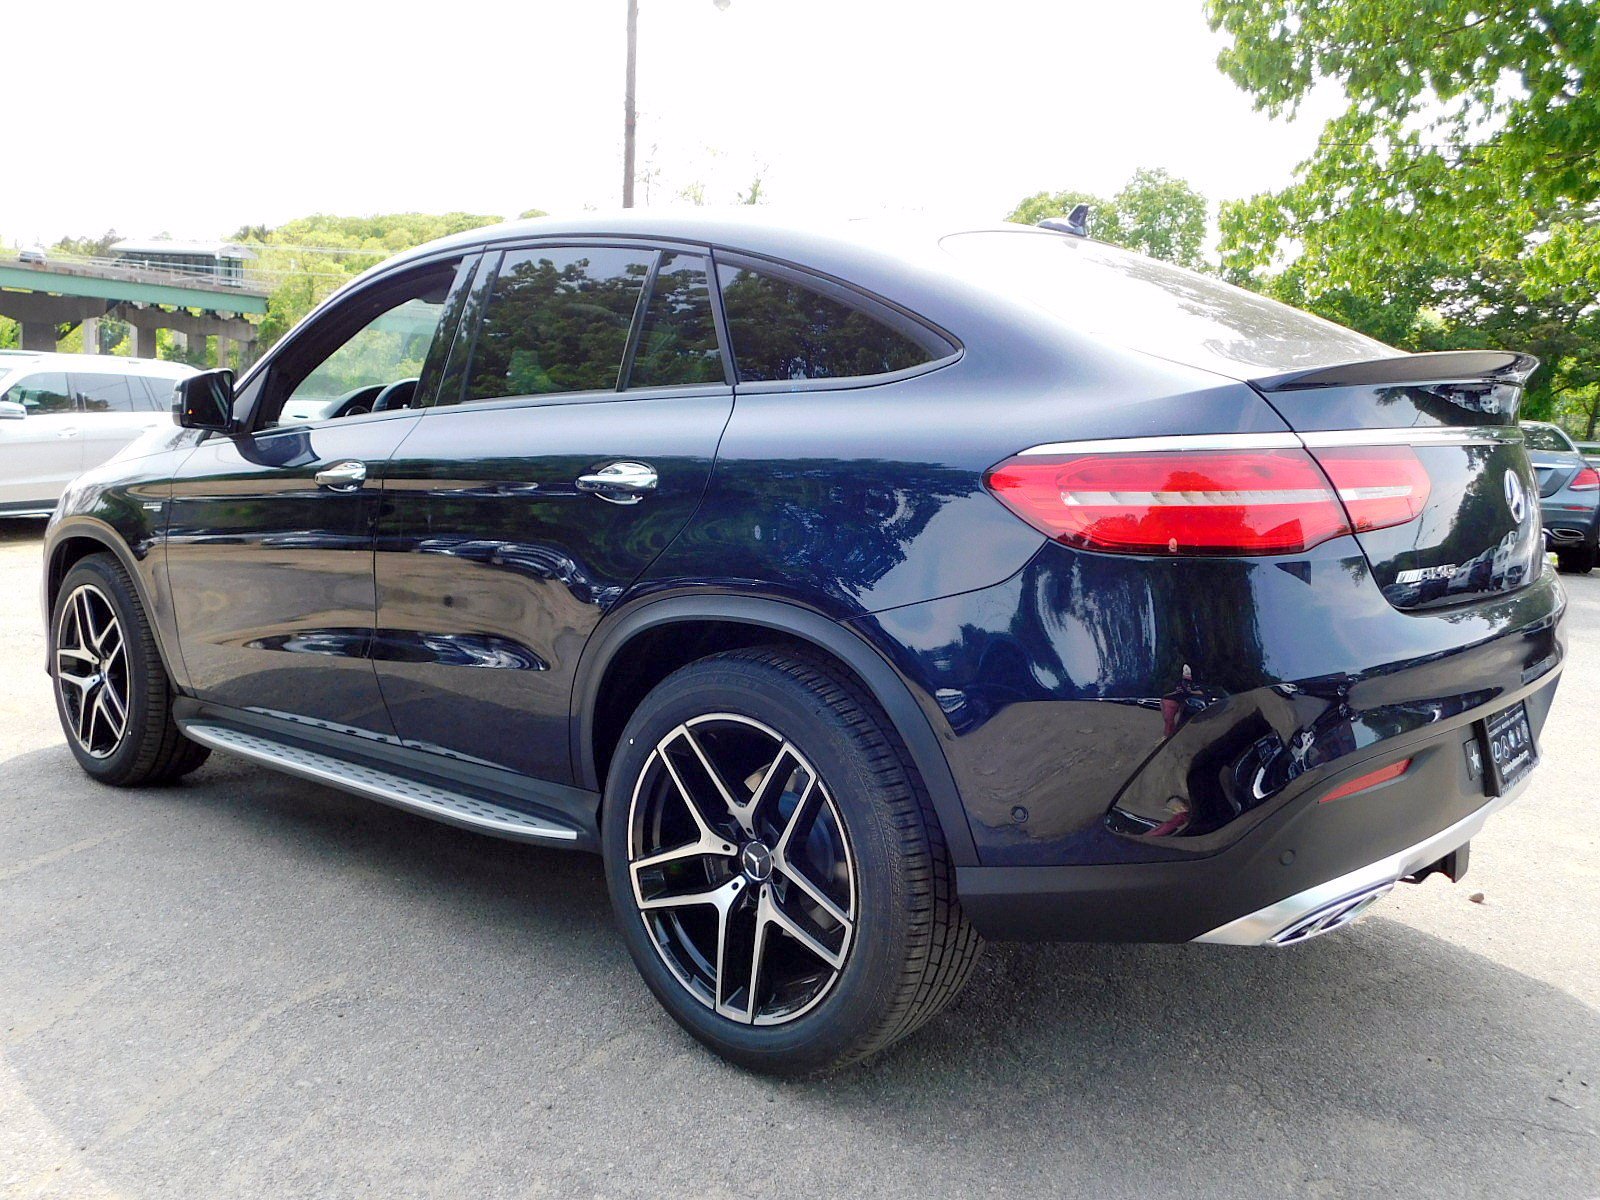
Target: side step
{"x": 469, "y": 812}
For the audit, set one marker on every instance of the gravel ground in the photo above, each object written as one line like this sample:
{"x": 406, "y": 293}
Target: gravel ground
{"x": 251, "y": 986}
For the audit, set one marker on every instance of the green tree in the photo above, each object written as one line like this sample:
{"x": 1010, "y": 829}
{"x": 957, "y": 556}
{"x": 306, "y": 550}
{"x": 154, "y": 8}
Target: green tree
{"x": 1155, "y": 213}
{"x": 1457, "y": 194}
{"x": 308, "y": 259}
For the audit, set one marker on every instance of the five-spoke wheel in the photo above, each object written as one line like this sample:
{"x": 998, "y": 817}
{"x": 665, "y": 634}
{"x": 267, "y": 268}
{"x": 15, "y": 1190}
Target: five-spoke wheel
{"x": 740, "y": 863}
{"x": 775, "y": 864}
{"x": 92, "y": 670}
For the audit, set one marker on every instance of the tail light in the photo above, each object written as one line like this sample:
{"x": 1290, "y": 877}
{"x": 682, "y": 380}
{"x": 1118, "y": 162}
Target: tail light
{"x": 1586, "y": 480}
{"x": 1380, "y": 486}
{"x": 1200, "y": 502}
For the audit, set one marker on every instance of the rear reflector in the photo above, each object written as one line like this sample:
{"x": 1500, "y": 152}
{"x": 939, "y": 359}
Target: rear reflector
{"x": 1371, "y": 779}
{"x": 1211, "y": 502}
{"x": 1586, "y": 480}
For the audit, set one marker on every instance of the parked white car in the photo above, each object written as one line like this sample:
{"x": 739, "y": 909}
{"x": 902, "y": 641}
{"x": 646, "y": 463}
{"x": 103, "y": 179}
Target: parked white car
{"x": 61, "y": 414}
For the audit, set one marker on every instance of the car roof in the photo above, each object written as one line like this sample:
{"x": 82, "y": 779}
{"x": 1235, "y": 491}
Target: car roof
{"x": 100, "y": 364}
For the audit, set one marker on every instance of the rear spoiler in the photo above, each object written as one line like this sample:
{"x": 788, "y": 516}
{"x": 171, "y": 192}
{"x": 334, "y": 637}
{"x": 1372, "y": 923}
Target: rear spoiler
{"x": 1410, "y": 370}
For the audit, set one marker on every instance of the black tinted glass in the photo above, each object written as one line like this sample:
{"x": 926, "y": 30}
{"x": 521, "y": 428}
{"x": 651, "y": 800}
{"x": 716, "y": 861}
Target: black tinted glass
{"x": 678, "y": 338}
{"x": 557, "y": 321}
{"x": 47, "y": 393}
{"x": 108, "y": 393}
{"x": 780, "y": 329}
{"x": 158, "y": 393}
{"x": 1542, "y": 437}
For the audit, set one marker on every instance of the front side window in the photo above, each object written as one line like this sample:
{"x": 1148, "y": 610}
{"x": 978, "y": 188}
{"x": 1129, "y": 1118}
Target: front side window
{"x": 557, "y": 320}
{"x": 677, "y": 335}
{"x": 108, "y": 393}
{"x": 780, "y": 328}
{"x": 367, "y": 354}
{"x": 42, "y": 394}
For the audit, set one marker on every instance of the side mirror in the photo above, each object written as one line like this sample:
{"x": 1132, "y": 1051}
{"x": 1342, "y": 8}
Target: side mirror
{"x": 10, "y": 410}
{"x": 205, "y": 401}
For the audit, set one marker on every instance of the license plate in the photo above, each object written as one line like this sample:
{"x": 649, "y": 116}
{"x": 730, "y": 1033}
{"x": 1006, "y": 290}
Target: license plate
{"x": 1508, "y": 746}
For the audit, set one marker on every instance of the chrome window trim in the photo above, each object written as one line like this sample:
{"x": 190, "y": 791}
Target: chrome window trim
{"x": 1473, "y": 435}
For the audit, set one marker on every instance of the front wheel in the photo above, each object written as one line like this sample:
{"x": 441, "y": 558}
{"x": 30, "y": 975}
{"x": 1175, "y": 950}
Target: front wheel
{"x": 112, "y": 691}
{"x": 778, "y": 873}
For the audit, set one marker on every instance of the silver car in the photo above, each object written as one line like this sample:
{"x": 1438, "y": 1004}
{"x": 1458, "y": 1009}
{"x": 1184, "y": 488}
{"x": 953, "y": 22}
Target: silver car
{"x": 1569, "y": 496}
{"x": 61, "y": 414}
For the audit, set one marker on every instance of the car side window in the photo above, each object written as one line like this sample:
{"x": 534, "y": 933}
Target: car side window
{"x": 368, "y": 354}
{"x": 677, "y": 341}
{"x": 782, "y": 328}
{"x": 108, "y": 393}
{"x": 152, "y": 393}
{"x": 42, "y": 394}
{"x": 557, "y": 320}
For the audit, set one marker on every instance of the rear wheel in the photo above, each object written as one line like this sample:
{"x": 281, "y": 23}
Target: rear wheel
{"x": 112, "y": 691}
{"x": 1576, "y": 562}
{"x": 778, "y": 873}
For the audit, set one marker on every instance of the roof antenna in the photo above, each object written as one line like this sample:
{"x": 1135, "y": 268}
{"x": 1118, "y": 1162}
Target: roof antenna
{"x": 1075, "y": 222}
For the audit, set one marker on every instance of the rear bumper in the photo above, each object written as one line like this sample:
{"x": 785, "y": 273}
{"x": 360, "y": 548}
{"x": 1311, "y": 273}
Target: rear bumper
{"x": 1568, "y": 526}
{"x": 1308, "y": 859}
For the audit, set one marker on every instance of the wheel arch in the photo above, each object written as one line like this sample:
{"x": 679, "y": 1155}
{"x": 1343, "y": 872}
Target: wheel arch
{"x": 76, "y": 540}
{"x": 638, "y": 647}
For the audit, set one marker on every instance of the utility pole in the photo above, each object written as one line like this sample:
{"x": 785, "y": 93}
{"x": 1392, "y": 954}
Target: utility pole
{"x": 629, "y": 117}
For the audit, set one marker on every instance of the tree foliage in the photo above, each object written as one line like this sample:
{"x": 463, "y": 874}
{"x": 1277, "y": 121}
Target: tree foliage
{"x": 1455, "y": 201}
{"x": 312, "y": 257}
{"x": 1154, "y": 213}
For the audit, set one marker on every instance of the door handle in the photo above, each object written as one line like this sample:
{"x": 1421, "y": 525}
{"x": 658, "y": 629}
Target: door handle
{"x": 620, "y": 482}
{"x": 342, "y": 477}
{"x": 70, "y": 431}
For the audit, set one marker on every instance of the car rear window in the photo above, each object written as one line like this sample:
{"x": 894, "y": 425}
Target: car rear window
{"x": 1156, "y": 307}
{"x": 557, "y": 321}
{"x": 1545, "y": 437}
{"x": 784, "y": 326}
{"x": 109, "y": 393}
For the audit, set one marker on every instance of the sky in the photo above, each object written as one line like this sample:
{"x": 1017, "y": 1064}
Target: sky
{"x": 192, "y": 119}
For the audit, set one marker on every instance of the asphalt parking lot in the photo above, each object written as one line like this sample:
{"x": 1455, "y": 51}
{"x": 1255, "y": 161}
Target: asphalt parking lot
{"x": 252, "y": 986}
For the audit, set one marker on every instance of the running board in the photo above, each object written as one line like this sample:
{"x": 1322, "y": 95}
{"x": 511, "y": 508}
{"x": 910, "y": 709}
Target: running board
{"x": 454, "y": 808}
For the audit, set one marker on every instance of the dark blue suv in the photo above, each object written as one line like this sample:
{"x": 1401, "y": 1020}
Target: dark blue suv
{"x": 856, "y": 591}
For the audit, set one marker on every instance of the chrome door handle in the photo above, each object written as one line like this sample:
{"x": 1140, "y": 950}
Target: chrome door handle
{"x": 620, "y": 482}
{"x": 342, "y": 477}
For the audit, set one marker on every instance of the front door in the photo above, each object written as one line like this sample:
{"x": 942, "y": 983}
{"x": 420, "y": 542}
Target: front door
{"x": 572, "y": 442}
{"x": 41, "y": 452}
{"x": 270, "y": 537}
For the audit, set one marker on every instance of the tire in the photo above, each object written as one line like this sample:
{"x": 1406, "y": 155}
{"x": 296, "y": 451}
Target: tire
{"x": 1576, "y": 562}
{"x": 855, "y": 862}
{"x": 103, "y": 660}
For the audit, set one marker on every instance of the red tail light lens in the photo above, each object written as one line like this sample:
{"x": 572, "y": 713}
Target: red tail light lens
{"x": 1586, "y": 480}
{"x": 1380, "y": 486}
{"x": 1174, "y": 502}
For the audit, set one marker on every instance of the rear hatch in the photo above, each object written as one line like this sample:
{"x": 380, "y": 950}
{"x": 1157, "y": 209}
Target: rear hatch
{"x": 1476, "y": 533}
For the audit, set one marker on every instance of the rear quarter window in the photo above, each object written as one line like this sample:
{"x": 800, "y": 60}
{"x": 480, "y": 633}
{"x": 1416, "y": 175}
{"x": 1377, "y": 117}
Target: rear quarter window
{"x": 785, "y": 326}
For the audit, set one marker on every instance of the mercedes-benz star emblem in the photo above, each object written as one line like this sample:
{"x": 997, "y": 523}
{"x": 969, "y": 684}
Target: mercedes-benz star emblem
{"x": 756, "y": 860}
{"x": 1516, "y": 498}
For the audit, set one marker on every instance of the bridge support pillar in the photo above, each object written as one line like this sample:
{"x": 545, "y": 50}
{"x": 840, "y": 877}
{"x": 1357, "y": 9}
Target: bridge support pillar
{"x": 91, "y": 335}
{"x": 144, "y": 340}
{"x": 39, "y": 335}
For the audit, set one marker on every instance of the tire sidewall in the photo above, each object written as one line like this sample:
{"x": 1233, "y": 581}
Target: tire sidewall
{"x": 113, "y": 586}
{"x": 871, "y": 979}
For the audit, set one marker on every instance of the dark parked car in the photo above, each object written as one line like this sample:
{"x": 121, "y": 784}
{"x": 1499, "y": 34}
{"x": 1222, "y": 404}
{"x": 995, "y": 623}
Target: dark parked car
{"x": 1569, "y": 496}
{"x": 854, "y": 591}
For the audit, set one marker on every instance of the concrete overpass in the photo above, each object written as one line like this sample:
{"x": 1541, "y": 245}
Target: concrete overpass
{"x": 45, "y": 295}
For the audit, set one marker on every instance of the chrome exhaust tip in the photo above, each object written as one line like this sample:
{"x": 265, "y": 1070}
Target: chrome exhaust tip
{"x": 1330, "y": 917}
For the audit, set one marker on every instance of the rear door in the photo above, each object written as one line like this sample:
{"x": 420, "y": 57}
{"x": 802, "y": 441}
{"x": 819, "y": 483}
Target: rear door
{"x": 42, "y": 452}
{"x": 116, "y": 409}
{"x": 574, "y": 437}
